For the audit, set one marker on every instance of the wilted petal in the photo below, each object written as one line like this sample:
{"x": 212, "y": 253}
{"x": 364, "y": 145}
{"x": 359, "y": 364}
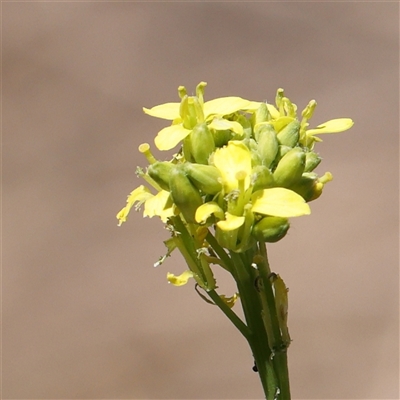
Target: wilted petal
{"x": 206, "y": 210}
{"x": 224, "y": 106}
{"x": 165, "y": 111}
{"x": 230, "y": 301}
{"x": 279, "y": 202}
{"x": 180, "y": 280}
{"x": 332, "y": 126}
{"x": 231, "y": 222}
{"x": 170, "y": 136}
{"x": 139, "y": 195}
{"x": 156, "y": 204}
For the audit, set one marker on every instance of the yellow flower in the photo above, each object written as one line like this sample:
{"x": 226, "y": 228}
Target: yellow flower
{"x": 191, "y": 110}
{"x": 234, "y": 163}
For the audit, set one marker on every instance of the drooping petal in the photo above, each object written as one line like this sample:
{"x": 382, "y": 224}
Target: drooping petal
{"x": 168, "y": 111}
{"x": 332, "y": 126}
{"x": 181, "y": 279}
{"x": 170, "y": 136}
{"x": 156, "y": 204}
{"x": 139, "y": 195}
{"x": 231, "y": 222}
{"x": 206, "y": 210}
{"x": 224, "y": 106}
{"x": 220, "y": 124}
{"x": 233, "y": 159}
{"x": 279, "y": 202}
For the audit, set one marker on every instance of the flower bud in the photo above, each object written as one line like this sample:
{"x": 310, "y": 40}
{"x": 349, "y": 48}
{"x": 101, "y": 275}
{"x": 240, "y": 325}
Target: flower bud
{"x": 160, "y": 171}
{"x": 305, "y": 187}
{"x": 262, "y": 178}
{"x": 186, "y": 197}
{"x": 202, "y": 143}
{"x": 312, "y": 161}
{"x": 271, "y": 229}
{"x": 262, "y": 114}
{"x": 222, "y": 137}
{"x": 268, "y": 145}
{"x": 290, "y": 168}
{"x": 206, "y": 178}
{"x": 289, "y": 135}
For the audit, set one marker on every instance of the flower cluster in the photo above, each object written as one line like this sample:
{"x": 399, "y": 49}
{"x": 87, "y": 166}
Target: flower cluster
{"x": 242, "y": 169}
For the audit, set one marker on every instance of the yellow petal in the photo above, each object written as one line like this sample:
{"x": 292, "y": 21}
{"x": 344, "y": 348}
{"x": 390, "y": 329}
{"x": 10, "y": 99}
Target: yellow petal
{"x": 231, "y": 222}
{"x": 139, "y": 195}
{"x": 180, "y": 280}
{"x": 169, "y": 137}
{"x": 275, "y": 114}
{"x": 206, "y": 210}
{"x": 281, "y": 122}
{"x": 279, "y": 202}
{"x": 233, "y": 159}
{"x": 220, "y": 124}
{"x": 165, "y": 111}
{"x": 332, "y": 126}
{"x": 224, "y": 106}
{"x": 156, "y": 204}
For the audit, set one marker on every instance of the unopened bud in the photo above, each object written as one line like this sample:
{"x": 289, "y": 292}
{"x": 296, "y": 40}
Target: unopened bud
{"x": 202, "y": 143}
{"x": 161, "y": 171}
{"x": 262, "y": 178}
{"x": 206, "y": 178}
{"x": 262, "y": 114}
{"x": 290, "y": 168}
{"x": 289, "y": 135}
{"x": 268, "y": 145}
{"x": 186, "y": 197}
{"x": 312, "y": 161}
{"x": 271, "y": 229}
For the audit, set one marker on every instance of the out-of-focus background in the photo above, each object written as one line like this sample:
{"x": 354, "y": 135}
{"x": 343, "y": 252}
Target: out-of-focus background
{"x": 85, "y": 314}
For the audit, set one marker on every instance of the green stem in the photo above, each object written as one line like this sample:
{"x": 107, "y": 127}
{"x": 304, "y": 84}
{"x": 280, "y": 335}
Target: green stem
{"x": 278, "y": 347}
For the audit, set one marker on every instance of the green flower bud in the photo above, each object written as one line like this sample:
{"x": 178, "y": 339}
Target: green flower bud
{"x": 221, "y": 138}
{"x": 247, "y": 129}
{"x": 306, "y": 186}
{"x": 202, "y": 143}
{"x": 186, "y": 197}
{"x": 268, "y": 145}
{"x": 271, "y": 229}
{"x": 262, "y": 114}
{"x": 161, "y": 171}
{"x": 290, "y": 168}
{"x": 262, "y": 178}
{"x": 312, "y": 161}
{"x": 289, "y": 135}
{"x": 206, "y": 178}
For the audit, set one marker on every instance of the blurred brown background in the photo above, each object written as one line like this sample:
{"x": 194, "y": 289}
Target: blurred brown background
{"x": 85, "y": 314}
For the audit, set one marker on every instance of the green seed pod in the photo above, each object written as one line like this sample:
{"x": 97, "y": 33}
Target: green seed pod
{"x": 202, "y": 143}
{"x": 262, "y": 178}
{"x": 271, "y": 229}
{"x": 206, "y": 178}
{"x": 160, "y": 171}
{"x": 289, "y": 135}
{"x": 290, "y": 168}
{"x": 312, "y": 161}
{"x": 268, "y": 145}
{"x": 186, "y": 197}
